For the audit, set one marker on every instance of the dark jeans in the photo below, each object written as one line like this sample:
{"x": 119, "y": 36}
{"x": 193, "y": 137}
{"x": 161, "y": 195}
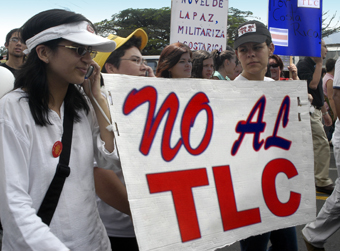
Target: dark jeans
{"x": 123, "y": 244}
{"x": 281, "y": 240}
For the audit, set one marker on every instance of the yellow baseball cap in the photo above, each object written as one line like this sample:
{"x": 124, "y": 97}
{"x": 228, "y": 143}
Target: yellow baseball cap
{"x": 101, "y": 57}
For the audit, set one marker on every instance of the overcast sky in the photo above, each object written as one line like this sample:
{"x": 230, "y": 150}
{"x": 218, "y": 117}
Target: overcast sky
{"x": 15, "y": 13}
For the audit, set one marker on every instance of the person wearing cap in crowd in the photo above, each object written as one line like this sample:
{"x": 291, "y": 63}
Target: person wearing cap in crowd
{"x": 50, "y": 88}
{"x": 125, "y": 59}
{"x": 310, "y": 69}
{"x": 253, "y": 45}
{"x": 15, "y": 55}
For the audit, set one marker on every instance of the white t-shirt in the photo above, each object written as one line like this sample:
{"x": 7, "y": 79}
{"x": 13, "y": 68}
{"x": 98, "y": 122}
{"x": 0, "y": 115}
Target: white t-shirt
{"x": 336, "y": 85}
{"x": 117, "y": 224}
{"x": 241, "y": 78}
{"x": 27, "y": 168}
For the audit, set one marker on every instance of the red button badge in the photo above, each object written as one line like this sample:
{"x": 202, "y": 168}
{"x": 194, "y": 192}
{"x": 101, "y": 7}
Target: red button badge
{"x": 56, "y": 149}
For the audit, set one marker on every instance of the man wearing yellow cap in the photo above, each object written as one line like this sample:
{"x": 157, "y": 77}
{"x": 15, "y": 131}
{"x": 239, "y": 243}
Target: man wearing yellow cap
{"x": 126, "y": 59}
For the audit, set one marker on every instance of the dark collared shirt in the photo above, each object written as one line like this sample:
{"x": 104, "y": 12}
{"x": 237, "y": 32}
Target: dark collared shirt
{"x": 306, "y": 68}
{"x": 14, "y": 71}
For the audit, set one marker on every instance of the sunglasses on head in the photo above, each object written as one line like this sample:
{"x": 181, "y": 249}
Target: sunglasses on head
{"x": 273, "y": 65}
{"x": 81, "y": 50}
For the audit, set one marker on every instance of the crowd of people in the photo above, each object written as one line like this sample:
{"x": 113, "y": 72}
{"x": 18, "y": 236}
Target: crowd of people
{"x": 50, "y": 56}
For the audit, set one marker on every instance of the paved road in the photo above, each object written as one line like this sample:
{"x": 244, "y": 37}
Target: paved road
{"x": 333, "y": 244}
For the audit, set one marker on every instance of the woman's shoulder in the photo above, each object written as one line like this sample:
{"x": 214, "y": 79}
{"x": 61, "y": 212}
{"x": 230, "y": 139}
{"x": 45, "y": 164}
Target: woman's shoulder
{"x": 12, "y": 94}
{"x": 13, "y": 104}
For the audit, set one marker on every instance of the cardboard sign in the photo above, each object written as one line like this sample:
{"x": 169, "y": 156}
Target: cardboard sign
{"x": 208, "y": 162}
{"x": 295, "y": 26}
{"x": 200, "y": 24}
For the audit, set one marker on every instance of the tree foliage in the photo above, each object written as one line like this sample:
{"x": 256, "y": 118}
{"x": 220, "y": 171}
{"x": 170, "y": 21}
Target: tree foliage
{"x": 327, "y": 27}
{"x": 155, "y": 22}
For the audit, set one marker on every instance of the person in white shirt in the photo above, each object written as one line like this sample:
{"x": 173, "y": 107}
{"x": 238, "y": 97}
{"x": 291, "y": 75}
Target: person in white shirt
{"x": 253, "y": 45}
{"x": 327, "y": 222}
{"x": 51, "y": 84}
{"x": 125, "y": 59}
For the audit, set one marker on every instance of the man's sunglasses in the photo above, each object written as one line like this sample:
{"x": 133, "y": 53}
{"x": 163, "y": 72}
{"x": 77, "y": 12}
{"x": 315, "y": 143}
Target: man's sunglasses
{"x": 81, "y": 50}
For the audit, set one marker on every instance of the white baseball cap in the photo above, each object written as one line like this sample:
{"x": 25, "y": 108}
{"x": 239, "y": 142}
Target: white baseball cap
{"x": 78, "y": 32}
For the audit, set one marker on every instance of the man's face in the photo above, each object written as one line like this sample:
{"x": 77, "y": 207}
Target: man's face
{"x": 131, "y": 63}
{"x": 323, "y": 49}
{"x": 15, "y": 46}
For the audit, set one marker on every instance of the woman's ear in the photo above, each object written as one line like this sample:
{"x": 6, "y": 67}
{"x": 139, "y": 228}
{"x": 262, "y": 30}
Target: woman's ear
{"x": 43, "y": 53}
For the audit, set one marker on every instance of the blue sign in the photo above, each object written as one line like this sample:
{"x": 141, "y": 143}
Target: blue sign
{"x": 295, "y": 26}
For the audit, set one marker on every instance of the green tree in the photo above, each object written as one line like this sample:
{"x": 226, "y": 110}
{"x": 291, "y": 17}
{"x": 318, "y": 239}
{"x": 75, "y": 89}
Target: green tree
{"x": 155, "y": 22}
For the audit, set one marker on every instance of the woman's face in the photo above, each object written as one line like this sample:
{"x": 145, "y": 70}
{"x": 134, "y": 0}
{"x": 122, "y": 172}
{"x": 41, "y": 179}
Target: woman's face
{"x": 237, "y": 71}
{"x": 183, "y": 67}
{"x": 208, "y": 68}
{"x": 65, "y": 66}
{"x": 254, "y": 59}
{"x": 274, "y": 69}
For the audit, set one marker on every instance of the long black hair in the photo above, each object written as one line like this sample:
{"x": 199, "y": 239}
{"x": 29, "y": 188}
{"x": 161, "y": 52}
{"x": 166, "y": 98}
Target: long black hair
{"x": 32, "y": 77}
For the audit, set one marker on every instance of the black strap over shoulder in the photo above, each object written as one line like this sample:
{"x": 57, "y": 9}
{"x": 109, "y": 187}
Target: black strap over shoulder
{"x": 50, "y": 202}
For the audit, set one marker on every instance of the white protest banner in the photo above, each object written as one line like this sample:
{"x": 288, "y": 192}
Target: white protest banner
{"x": 210, "y": 162}
{"x": 200, "y": 24}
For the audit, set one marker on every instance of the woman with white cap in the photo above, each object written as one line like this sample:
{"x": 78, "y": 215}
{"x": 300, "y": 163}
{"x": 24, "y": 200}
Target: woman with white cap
{"x": 53, "y": 110}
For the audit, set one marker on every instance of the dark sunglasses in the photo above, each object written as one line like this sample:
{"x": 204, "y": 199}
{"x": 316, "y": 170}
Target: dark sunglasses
{"x": 81, "y": 50}
{"x": 273, "y": 65}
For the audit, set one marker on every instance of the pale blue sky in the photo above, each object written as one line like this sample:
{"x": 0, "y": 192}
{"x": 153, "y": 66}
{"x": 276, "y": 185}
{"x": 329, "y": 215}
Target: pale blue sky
{"x": 15, "y": 13}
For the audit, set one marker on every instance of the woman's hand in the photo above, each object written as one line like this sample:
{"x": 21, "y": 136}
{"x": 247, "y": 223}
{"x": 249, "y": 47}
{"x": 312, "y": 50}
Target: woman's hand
{"x": 92, "y": 84}
{"x": 293, "y": 69}
{"x": 92, "y": 89}
{"x": 149, "y": 72}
